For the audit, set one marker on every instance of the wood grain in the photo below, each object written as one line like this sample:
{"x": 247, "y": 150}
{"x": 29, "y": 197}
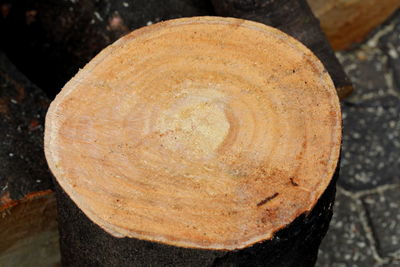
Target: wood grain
{"x": 295, "y": 18}
{"x": 178, "y": 131}
{"x": 348, "y": 22}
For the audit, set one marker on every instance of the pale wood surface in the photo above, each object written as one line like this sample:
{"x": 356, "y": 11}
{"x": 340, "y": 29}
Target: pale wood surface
{"x": 199, "y": 132}
{"x": 346, "y": 22}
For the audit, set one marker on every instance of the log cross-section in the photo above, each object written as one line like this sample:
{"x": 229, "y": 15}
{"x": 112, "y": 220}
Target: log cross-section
{"x": 204, "y": 133}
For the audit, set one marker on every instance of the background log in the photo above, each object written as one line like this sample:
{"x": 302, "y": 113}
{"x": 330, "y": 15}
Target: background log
{"x": 347, "y": 23}
{"x": 28, "y": 227}
{"x": 49, "y": 40}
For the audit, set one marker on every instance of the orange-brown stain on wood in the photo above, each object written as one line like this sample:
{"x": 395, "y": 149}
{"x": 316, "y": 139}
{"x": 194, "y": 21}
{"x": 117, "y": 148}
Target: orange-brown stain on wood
{"x": 4, "y": 105}
{"x": 6, "y": 202}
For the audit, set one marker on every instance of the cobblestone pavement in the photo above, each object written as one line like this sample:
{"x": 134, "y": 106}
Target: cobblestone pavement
{"x": 365, "y": 229}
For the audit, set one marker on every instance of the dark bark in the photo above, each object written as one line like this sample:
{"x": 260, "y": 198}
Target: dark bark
{"x": 83, "y": 243}
{"x": 27, "y": 205}
{"x": 23, "y": 168}
{"x": 295, "y": 18}
{"x": 49, "y": 40}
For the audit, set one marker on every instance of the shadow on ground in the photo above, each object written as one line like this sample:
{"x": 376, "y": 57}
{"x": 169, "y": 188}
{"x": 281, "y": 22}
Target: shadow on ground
{"x": 365, "y": 230}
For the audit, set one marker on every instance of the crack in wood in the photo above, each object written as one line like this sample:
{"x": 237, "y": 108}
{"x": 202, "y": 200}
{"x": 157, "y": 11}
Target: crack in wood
{"x": 293, "y": 182}
{"x": 262, "y": 202}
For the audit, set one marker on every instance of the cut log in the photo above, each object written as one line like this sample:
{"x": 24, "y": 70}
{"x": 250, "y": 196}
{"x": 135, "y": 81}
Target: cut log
{"x": 28, "y": 227}
{"x": 348, "y": 22}
{"x": 194, "y": 142}
{"x": 296, "y": 19}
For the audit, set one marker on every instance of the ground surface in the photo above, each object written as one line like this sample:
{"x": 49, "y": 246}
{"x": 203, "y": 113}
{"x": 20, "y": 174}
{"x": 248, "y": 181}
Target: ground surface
{"x": 365, "y": 230}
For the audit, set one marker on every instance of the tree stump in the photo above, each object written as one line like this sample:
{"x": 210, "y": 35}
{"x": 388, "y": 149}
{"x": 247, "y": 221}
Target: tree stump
{"x": 198, "y": 141}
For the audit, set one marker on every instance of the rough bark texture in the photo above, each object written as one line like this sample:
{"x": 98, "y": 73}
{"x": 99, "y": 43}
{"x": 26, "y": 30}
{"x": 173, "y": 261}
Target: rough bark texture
{"x": 23, "y": 168}
{"x": 348, "y": 22}
{"x": 49, "y": 40}
{"x": 296, "y": 19}
{"x": 28, "y": 232}
{"x": 84, "y": 243}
